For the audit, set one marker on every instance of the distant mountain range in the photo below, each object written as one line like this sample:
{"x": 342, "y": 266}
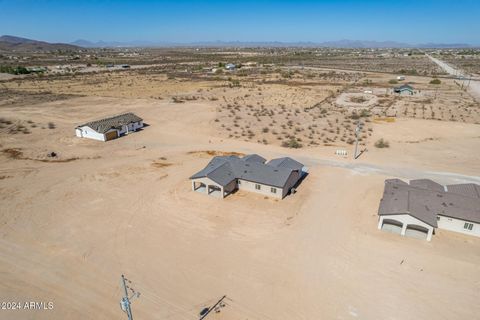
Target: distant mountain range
{"x": 12, "y": 43}
{"x": 328, "y": 44}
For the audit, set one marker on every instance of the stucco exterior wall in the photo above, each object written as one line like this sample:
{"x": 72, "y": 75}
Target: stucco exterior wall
{"x": 87, "y": 132}
{"x": 264, "y": 189}
{"x": 250, "y": 186}
{"x": 131, "y": 127}
{"x": 457, "y": 225}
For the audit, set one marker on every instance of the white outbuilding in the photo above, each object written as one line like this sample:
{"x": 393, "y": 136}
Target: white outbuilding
{"x": 110, "y": 128}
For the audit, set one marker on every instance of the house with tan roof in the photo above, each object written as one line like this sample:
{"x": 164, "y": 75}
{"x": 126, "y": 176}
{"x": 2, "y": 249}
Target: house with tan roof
{"x": 417, "y": 208}
{"x": 110, "y": 128}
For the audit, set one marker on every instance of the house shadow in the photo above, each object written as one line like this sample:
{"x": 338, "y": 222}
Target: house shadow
{"x": 361, "y": 152}
{"x": 145, "y": 125}
{"x": 299, "y": 182}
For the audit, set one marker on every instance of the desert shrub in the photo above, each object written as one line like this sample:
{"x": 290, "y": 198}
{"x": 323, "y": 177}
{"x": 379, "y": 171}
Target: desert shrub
{"x": 292, "y": 143}
{"x": 364, "y": 113}
{"x": 358, "y": 99}
{"x": 382, "y": 143}
{"x": 51, "y": 125}
{"x": 393, "y": 81}
{"x": 408, "y": 71}
{"x": 177, "y": 100}
{"x": 435, "y": 81}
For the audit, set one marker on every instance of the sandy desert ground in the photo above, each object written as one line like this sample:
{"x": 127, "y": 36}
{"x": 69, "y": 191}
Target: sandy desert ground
{"x": 70, "y": 226}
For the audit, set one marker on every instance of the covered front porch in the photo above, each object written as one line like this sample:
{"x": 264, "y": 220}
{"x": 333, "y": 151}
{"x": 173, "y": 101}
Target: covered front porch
{"x": 209, "y": 188}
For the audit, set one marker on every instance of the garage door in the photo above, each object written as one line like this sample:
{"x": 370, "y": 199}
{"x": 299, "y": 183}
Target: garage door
{"x": 417, "y": 232}
{"x": 111, "y": 135}
{"x": 392, "y": 226}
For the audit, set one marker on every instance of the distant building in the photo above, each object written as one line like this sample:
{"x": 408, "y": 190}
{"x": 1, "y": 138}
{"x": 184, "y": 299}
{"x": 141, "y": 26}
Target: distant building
{"x": 404, "y": 89}
{"x": 230, "y": 66}
{"x": 225, "y": 174}
{"x": 417, "y": 208}
{"x": 401, "y": 78}
{"x": 110, "y": 128}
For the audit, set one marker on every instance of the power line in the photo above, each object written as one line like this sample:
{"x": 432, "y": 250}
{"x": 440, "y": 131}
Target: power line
{"x": 169, "y": 314}
{"x": 357, "y": 131}
{"x": 245, "y": 309}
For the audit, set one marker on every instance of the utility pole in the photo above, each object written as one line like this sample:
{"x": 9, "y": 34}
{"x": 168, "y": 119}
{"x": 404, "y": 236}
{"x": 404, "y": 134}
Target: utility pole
{"x": 125, "y": 302}
{"x": 357, "y": 131}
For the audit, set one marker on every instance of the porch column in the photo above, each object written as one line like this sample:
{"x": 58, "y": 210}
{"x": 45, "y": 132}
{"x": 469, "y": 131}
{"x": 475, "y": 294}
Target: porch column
{"x": 404, "y": 229}
{"x": 380, "y": 222}
{"x": 221, "y": 190}
{"x": 430, "y": 233}
{"x": 207, "y": 189}
{"x": 193, "y": 185}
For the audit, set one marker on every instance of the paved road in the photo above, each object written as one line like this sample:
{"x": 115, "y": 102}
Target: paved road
{"x": 408, "y": 173}
{"x": 473, "y": 88}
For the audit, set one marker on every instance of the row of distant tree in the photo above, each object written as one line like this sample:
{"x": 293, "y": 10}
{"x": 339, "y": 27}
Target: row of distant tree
{"x": 14, "y": 70}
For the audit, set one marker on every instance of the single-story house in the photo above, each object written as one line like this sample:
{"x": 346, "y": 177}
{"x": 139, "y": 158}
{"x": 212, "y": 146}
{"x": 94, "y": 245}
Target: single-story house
{"x": 417, "y": 208}
{"x": 225, "y": 174}
{"x": 404, "y": 89}
{"x": 110, "y": 128}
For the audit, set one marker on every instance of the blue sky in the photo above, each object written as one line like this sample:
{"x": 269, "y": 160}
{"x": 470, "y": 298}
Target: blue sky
{"x": 421, "y": 21}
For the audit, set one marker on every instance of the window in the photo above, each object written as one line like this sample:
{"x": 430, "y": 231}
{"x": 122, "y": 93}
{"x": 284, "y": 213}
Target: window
{"x": 438, "y": 218}
{"x": 258, "y": 187}
{"x": 468, "y": 226}
{"x": 273, "y": 190}
{"x": 239, "y": 182}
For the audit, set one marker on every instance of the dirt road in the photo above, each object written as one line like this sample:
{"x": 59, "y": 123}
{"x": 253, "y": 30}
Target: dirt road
{"x": 473, "y": 86}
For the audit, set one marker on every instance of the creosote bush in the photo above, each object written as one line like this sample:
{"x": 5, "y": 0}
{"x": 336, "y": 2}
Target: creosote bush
{"x": 382, "y": 143}
{"x": 292, "y": 143}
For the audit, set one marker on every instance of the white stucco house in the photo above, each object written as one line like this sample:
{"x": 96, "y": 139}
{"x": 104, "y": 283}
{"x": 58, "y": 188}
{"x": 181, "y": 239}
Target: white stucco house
{"x": 110, "y": 128}
{"x": 417, "y": 208}
{"x": 225, "y": 174}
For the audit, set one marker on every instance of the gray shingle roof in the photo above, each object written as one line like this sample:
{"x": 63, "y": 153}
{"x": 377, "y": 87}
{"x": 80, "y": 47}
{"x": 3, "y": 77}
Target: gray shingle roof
{"x": 286, "y": 162}
{"x": 466, "y": 189}
{"x": 427, "y": 184}
{"x": 224, "y": 169}
{"x": 424, "y": 199}
{"x": 115, "y": 122}
{"x": 254, "y": 158}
